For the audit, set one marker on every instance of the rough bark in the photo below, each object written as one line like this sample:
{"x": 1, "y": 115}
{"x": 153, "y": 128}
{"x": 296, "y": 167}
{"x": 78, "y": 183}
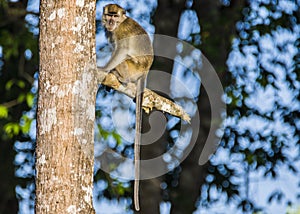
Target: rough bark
{"x": 66, "y": 107}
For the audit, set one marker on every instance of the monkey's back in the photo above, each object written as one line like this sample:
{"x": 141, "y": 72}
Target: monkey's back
{"x": 131, "y": 34}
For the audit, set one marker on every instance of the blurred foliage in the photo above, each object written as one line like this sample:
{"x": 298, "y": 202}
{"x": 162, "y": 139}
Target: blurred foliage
{"x": 16, "y": 98}
{"x": 267, "y": 149}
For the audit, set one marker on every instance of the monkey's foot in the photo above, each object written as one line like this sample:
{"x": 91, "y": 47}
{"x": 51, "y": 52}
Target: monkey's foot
{"x": 111, "y": 80}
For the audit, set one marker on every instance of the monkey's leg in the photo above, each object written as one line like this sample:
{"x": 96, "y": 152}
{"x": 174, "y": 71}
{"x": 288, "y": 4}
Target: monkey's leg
{"x": 137, "y": 140}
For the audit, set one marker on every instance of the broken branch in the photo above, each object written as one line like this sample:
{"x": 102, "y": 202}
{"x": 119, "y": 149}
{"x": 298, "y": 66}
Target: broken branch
{"x": 151, "y": 99}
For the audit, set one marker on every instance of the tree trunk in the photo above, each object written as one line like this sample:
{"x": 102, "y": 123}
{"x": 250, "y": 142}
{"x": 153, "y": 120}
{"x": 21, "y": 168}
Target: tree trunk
{"x": 66, "y": 107}
{"x": 217, "y": 28}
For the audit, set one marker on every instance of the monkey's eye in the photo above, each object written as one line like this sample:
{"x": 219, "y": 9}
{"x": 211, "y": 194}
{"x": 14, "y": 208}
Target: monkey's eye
{"x": 113, "y": 15}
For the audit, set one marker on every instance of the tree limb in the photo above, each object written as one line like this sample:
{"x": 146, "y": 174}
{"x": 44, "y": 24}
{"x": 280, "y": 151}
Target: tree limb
{"x": 150, "y": 99}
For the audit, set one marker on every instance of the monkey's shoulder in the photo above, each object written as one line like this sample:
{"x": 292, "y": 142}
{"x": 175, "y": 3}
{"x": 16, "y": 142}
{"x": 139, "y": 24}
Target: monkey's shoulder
{"x": 130, "y": 27}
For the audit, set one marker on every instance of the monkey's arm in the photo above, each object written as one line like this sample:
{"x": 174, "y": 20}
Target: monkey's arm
{"x": 117, "y": 58}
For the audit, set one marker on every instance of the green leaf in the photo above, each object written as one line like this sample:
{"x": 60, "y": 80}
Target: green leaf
{"x": 21, "y": 84}
{"x": 117, "y": 137}
{"x": 21, "y": 98}
{"x": 120, "y": 189}
{"x": 3, "y": 112}
{"x": 9, "y": 84}
{"x": 12, "y": 129}
{"x": 104, "y": 134}
{"x": 26, "y": 124}
{"x": 10, "y": 44}
{"x": 30, "y": 99}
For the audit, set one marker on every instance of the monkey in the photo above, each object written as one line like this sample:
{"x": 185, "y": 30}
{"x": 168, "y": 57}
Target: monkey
{"x": 130, "y": 62}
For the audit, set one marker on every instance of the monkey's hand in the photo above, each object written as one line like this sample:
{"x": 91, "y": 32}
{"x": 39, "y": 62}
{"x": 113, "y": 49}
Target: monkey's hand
{"x": 112, "y": 81}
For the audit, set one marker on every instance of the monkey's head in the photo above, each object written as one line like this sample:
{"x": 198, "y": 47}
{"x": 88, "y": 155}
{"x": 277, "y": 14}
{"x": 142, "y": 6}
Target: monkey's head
{"x": 113, "y": 16}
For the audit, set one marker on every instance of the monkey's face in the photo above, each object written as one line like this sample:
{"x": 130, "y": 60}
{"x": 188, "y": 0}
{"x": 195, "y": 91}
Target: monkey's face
{"x": 113, "y": 16}
{"x": 111, "y": 22}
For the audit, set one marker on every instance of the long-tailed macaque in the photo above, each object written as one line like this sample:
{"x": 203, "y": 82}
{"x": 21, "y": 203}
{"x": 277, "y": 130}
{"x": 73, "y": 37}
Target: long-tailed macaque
{"x": 130, "y": 62}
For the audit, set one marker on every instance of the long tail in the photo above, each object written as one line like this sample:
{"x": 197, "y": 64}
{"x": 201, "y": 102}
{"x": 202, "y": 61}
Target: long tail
{"x": 137, "y": 140}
